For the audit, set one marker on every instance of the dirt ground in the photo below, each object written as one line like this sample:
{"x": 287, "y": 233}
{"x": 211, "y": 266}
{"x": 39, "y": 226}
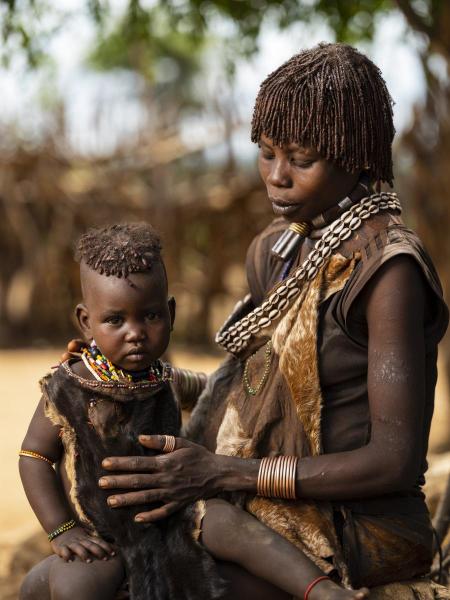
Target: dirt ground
{"x": 20, "y": 371}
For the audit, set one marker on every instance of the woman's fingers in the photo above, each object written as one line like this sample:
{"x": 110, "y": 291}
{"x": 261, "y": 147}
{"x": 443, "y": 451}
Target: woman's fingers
{"x": 75, "y": 345}
{"x": 162, "y": 512}
{"x": 157, "y": 442}
{"x": 130, "y": 463}
{"x": 72, "y": 346}
{"x": 133, "y": 498}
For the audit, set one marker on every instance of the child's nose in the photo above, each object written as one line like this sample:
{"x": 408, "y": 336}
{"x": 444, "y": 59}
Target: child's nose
{"x": 135, "y": 333}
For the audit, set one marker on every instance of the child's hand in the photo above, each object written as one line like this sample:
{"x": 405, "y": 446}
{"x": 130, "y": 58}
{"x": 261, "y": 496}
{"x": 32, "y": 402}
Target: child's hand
{"x": 77, "y": 542}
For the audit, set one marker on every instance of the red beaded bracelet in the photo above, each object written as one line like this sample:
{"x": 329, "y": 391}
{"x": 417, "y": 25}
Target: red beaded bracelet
{"x": 312, "y": 584}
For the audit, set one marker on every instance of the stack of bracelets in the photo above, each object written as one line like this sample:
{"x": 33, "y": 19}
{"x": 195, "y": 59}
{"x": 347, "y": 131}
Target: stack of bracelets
{"x": 277, "y": 477}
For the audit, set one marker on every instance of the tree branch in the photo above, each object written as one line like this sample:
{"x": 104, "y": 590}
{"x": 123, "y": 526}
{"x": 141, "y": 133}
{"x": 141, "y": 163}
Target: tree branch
{"x": 413, "y": 18}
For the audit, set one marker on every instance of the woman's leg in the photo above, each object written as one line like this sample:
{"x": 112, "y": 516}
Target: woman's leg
{"x": 55, "y": 579}
{"x": 231, "y": 534}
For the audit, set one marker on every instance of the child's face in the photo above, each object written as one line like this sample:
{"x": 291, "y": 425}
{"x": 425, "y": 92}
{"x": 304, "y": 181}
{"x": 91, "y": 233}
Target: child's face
{"x": 300, "y": 183}
{"x": 130, "y": 319}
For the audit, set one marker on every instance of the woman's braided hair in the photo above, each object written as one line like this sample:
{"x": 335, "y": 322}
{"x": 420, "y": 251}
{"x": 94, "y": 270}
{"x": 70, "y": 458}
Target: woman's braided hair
{"x": 334, "y": 99}
{"x": 120, "y": 249}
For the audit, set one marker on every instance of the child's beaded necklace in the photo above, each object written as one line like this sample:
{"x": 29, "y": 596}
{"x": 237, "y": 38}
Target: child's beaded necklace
{"x": 104, "y": 370}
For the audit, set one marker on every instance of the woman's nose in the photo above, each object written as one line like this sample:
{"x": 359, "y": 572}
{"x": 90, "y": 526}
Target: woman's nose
{"x": 279, "y": 175}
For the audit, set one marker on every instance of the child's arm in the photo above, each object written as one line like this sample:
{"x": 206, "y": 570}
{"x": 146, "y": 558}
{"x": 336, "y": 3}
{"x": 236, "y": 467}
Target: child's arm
{"x": 46, "y": 495}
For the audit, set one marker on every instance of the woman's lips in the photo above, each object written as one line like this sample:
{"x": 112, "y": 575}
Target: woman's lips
{"x": 283, "y": 208}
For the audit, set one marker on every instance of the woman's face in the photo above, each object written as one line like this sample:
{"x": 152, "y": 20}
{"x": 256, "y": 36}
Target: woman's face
{"x": 300, "y": 183}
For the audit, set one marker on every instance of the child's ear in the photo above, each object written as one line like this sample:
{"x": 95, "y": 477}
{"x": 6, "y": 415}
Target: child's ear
{"x": 82, "y": 316}
{"x": 172, "y": 310}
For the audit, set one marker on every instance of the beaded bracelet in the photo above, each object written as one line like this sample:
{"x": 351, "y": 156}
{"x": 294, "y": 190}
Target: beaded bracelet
{"x": 61, "y": 529}
{"x": 277, "y": 477}
{"x": 32, "y": 454}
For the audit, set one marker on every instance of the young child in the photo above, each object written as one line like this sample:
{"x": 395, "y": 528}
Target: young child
{"x": 97, "y": 405}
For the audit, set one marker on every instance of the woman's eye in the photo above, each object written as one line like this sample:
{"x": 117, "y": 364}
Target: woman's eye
{"x": 265, "y": 153}
{"x": 114, "y": 320}
{"x": 303, "y": 164}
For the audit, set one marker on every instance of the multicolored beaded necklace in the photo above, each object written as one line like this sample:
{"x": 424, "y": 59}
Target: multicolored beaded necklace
{"x": 104, "y": 370}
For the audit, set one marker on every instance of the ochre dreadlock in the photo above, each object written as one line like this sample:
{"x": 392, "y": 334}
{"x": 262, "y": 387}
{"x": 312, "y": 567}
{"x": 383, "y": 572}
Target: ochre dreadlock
{"x": 334, "y": 99}
{"x": 120, "y": 249}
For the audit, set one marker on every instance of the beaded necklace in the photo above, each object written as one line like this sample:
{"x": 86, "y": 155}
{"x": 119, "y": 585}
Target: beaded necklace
{"x": 254, "y": 391}
{"x": 104, "y": 370}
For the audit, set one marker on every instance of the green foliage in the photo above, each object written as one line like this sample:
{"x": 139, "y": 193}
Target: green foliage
{"x": 176, "y": 28}
{"x": 141, "y": 39}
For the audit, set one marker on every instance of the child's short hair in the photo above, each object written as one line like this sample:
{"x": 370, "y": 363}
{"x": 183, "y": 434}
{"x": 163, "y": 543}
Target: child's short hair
{"x": 334, "y": 99}
{"x": 120, "y": 249}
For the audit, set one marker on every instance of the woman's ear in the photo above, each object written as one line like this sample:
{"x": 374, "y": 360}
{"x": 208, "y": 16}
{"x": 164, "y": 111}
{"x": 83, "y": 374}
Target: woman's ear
{"x": 172, "y": 310}
{"x": 82, "y": 317}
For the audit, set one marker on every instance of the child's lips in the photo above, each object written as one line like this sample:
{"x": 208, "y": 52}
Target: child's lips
{"x": 136, "y": 356}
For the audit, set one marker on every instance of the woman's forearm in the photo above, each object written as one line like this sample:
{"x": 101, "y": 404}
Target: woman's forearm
{"x": 359, "y": 473}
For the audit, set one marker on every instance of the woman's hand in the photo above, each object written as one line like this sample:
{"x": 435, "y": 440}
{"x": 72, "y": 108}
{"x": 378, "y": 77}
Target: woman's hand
{"x": 188, "y": 473}
{"x": 73, "y": 346}
{"x": 77, "y": 542}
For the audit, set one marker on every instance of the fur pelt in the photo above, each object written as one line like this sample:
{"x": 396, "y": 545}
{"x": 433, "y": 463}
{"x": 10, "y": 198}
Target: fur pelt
{"x": 285, "y": 417}
{"x": 164, "y": 561}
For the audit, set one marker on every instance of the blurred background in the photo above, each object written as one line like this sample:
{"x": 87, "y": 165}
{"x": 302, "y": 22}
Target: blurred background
{"x": 128, "y": 110}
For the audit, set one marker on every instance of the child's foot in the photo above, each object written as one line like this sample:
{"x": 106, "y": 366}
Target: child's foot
{"x": 328, "y": 590}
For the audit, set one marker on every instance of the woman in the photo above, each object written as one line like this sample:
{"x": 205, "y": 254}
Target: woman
{"x": 335, "y": 362}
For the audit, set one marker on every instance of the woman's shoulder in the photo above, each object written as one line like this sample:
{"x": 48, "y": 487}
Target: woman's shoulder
{"x": 385, "y": 246}
{"x": 261, "y": 266}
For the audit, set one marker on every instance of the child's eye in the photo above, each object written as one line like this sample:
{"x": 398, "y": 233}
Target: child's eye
{"x": 114, "y": 320}
{"x": 151, "y": 316}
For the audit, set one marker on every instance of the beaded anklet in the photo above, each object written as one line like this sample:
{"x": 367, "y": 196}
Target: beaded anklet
{"x": 61, "y": 529}
{"x": 32, "y": 454}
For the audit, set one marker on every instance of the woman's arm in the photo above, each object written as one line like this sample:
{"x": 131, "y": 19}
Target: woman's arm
{"x": 394, "y": 305}
{"x": 45, "y": 493}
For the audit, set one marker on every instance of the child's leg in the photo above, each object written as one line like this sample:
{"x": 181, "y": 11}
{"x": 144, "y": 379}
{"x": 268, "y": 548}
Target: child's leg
{"x": 35, "y": 585}
{"x": 234, "y": 535}
{"x": 56, "y": 579}
{"x": 79, "y": 580}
